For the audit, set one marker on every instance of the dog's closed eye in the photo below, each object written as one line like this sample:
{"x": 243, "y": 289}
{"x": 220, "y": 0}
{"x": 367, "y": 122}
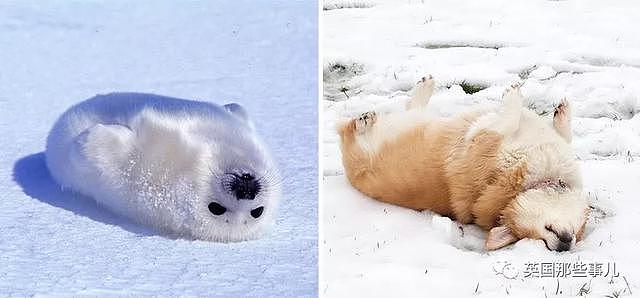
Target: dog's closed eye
{"x": 552, "y": 230}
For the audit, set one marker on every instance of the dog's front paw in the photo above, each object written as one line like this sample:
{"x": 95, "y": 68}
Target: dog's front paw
{"x": 562, "y": 119}
{"x": 365, "y": 121}
{"x": 562, "y": 112}
{"x": 425, "y": 81}
{"x": 512, "y": 90}
{"x": 425, "y": 85}
{"x": 422, "y": 93}
{"x": 512, "y": 97}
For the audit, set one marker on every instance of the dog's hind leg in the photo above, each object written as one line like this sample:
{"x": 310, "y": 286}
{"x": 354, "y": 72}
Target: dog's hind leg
{"x": 422, "y": 93}
{"x": 505, "y": 121}
{"x": 511, "y": 111}
{"x": 355, "y": 159}
{"x": 363, "y": 122}
{"x": 562, "y": 120}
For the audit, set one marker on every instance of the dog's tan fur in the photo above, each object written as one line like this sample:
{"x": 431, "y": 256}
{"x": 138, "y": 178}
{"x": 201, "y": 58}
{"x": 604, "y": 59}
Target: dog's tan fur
{"x": 454, "y": 167}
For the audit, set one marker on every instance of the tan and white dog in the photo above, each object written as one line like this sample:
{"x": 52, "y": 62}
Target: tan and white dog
{"x": 504, "y": 169}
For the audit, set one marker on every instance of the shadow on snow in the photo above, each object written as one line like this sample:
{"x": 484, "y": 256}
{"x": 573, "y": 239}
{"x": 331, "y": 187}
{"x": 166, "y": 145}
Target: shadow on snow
{"x": 31, "y": 173}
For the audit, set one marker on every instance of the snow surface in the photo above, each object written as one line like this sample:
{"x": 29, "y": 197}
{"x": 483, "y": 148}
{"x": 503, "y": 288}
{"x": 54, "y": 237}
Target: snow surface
{"x": 587, "y": 51}
{"x": 56, "y": 53}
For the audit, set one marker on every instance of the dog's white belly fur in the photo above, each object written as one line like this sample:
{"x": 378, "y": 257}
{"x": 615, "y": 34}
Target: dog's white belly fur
{"x": 528, "y": 140}
{"x": 146, "y": 157}
{"x": 546, "y": 154}
{"x": 390, "y": 126}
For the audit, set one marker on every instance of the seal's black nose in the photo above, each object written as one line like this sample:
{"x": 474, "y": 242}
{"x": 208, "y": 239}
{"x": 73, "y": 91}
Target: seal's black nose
{"x": 245, "y": 187}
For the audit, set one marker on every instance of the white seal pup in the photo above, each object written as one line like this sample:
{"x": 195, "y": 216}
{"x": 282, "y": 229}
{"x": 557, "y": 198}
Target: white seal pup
{"x": 186, "y": 168}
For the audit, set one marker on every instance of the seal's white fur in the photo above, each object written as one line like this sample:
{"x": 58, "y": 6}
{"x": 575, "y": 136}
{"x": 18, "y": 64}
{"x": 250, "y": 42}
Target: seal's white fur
{"x": 160, "y": 161}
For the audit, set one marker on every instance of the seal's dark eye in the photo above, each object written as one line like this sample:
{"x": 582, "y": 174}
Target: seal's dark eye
{"x": 217, "y": 209}
{"x": 257, "y": 212}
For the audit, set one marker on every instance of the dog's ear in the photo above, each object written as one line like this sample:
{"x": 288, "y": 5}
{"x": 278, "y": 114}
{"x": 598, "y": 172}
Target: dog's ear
{"x": 580, "y": 233}
{"x": 499, "y": 237}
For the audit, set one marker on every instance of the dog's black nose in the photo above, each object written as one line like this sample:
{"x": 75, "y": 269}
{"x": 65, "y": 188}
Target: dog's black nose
{"x": 565, "y": 241}
{"x": 565, "y": 237}
{"x": 245, "y": 187}
{"x": 563, "y": 246}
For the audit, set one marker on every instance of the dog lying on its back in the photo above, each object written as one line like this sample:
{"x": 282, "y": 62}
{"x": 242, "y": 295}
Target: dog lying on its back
{"x": 503, "y": 169}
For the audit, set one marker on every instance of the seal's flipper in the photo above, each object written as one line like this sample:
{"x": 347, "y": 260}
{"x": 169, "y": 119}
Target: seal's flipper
{"x": 102, "y": 146}
{"x": 238, "y": 111}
